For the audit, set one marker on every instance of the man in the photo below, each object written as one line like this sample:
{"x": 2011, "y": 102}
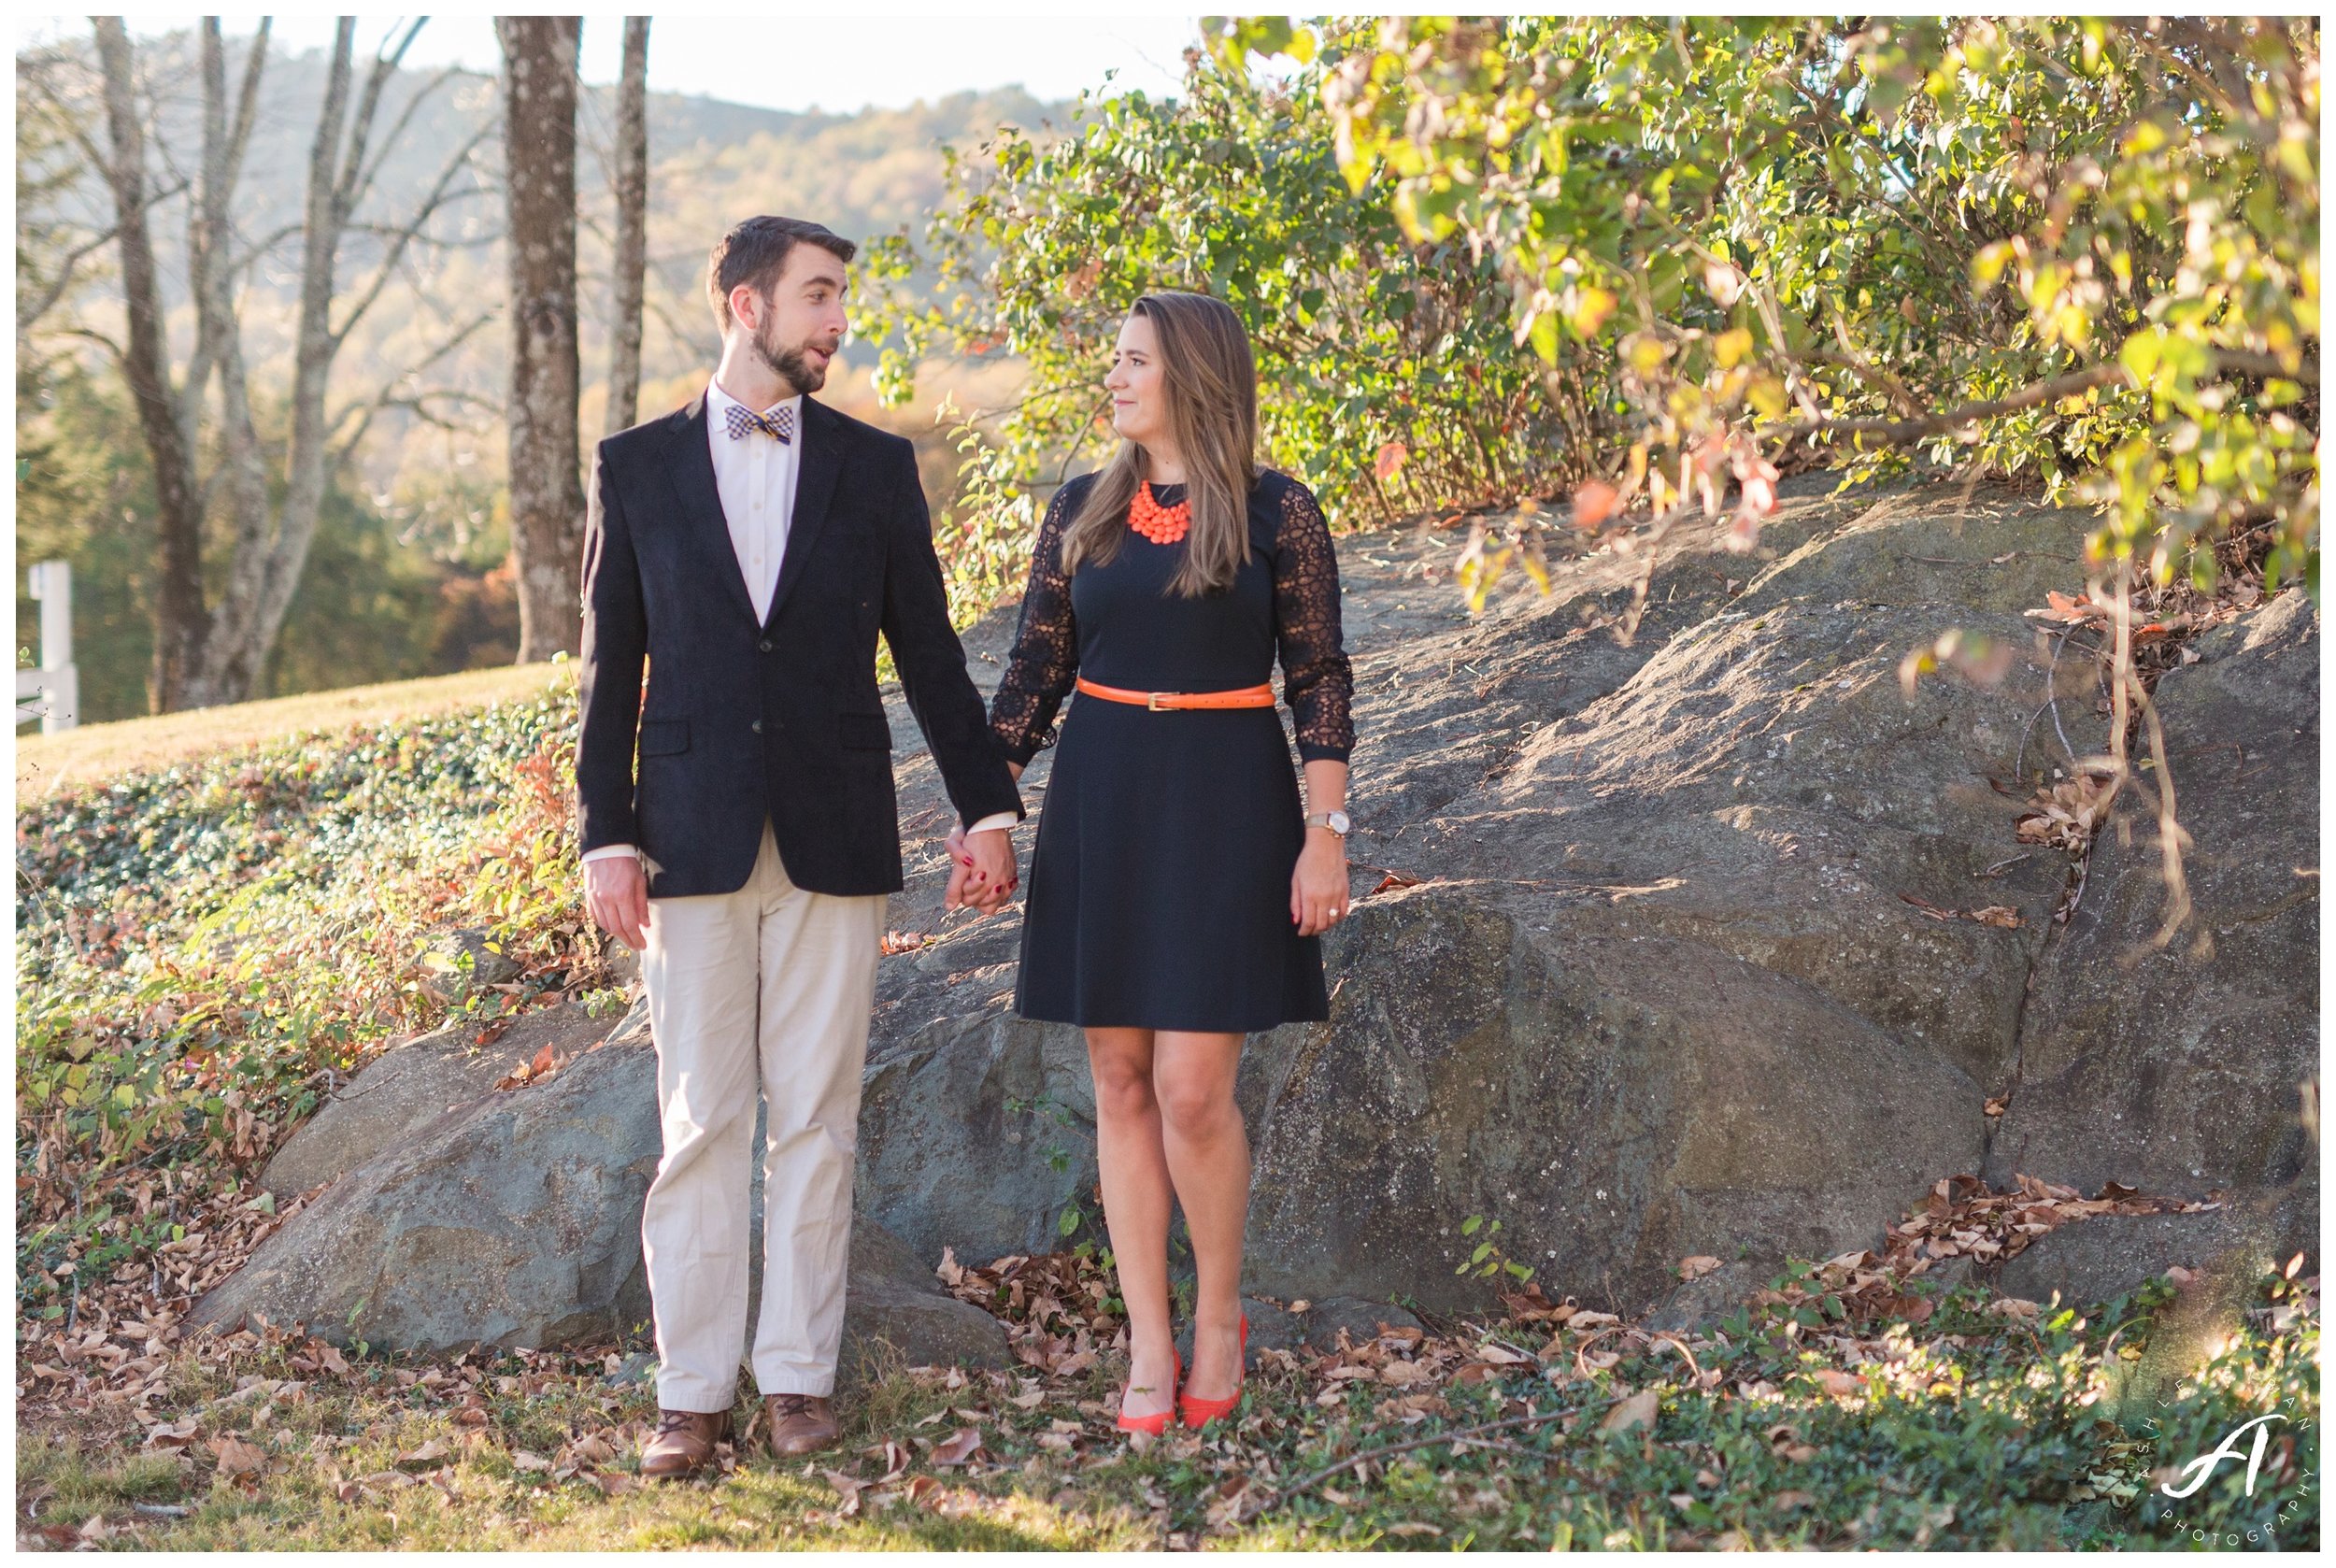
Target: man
{"x": 749, "y": 549}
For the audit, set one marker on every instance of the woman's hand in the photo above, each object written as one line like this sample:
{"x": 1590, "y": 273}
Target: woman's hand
{"x": 1318, "y": 888}
{"x": 982, "y": 876}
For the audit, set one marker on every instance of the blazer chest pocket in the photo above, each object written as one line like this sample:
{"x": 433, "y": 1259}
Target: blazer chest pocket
{"x": 863, "y": 731}
{"x": 664, "y": 738}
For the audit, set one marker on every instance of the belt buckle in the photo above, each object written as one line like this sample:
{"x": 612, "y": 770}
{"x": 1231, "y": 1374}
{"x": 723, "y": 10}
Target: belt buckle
{"x": 1151, "y": 700}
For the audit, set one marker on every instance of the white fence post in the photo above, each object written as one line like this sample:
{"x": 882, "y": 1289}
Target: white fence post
{"x": 55, "y": 688}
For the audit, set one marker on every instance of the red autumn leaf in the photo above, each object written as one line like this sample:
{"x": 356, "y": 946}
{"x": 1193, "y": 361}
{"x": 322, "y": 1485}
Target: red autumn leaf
{"x": 1391, "y": 460}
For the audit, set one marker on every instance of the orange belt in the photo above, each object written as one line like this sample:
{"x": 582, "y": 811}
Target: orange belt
{"x": 1247, "y": 696}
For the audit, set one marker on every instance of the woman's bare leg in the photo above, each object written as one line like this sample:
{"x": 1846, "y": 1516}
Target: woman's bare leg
{"x": 1136, "y": 1198}
{"x": 1208, "y": 1157}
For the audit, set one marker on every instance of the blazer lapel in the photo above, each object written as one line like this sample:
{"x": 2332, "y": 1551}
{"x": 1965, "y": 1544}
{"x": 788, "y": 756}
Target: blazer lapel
{"x": 692, "y": 471}
{"x": 815, "y": 489}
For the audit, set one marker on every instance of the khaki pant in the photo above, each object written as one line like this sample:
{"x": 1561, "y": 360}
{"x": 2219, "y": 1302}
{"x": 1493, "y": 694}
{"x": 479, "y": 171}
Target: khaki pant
{"x": 776, "y": 983}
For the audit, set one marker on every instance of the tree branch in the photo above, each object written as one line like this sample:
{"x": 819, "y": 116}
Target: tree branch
{"x": 396, "y": 132}
{"x": 71, "y": 122}
{"x": 437, "y": 198}
{"x": 345, "y": 190}
{"x": 2111, "y": 374}
{"x": 455, "y": 340}
{"x": 73, "y": 258}
{"x": 110, "y": 344}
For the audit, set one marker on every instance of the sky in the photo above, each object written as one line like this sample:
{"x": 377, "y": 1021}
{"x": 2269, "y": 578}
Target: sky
{"x": 775, "y": 61}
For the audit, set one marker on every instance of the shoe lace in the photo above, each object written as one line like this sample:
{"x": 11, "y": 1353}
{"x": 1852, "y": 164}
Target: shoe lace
{"x": 789, "y": 1406}
{"x": 671, "y": 1421}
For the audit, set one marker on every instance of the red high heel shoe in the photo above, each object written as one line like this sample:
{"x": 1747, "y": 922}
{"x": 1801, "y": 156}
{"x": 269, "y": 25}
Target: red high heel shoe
{"x": 1156, "y": 1424}
{"x": 1198, "y": 1413}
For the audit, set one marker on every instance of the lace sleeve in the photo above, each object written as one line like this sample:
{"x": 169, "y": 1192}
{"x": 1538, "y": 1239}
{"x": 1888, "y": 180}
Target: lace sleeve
{"x": 1044, "y": 660}
{"x": 1317, "y": 683}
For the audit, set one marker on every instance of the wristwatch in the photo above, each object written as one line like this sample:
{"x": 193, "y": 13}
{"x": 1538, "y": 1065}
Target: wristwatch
{"x": 1338, "y": 821}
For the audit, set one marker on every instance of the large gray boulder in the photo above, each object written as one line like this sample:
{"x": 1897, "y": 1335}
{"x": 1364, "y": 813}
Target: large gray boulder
{"x": 1716, "y": 942}
{"x": 1696, "y": 965}
{"x": 2181, "y": 1068}
{"x": 2110, "y": 1255}
{"x": 1618, "y": 1102}
{"x": 412, "y": 1085}
{"x": 511, "y": 1219}
{"x": 514, "y": 1217}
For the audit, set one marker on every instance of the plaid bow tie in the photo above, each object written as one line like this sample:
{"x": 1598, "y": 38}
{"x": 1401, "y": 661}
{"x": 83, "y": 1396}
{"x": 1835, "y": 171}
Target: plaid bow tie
{"x": 778, "y": 424}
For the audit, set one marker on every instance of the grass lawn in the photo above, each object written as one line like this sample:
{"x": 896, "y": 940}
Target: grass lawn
{"x": 1981, "y": 1430}
{"x": 93, "y": 753}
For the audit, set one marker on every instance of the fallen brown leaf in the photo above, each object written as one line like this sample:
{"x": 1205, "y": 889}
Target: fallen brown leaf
{"x": 592, "y": 1448}
{"x": 177, "y": 1434}
{"x": 1636, "y": 1411}
{"x": 1841, "y": 1385}
{"x": 958, "y": 1449}
{"x": 238, "y": 1457}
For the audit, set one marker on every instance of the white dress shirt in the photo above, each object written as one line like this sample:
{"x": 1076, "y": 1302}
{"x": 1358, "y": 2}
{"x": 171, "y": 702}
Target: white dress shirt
{"x": 755, "y": 476}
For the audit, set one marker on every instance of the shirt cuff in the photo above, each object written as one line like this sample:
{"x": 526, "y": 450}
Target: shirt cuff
{"x": 995, "y": 820}
{"x": 608, "y": 852}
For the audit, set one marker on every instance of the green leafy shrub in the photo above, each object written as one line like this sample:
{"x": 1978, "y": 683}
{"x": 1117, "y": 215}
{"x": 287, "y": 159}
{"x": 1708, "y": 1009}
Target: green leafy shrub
{"x": 202, "y": 950}
{"x": 1390, "y": 378}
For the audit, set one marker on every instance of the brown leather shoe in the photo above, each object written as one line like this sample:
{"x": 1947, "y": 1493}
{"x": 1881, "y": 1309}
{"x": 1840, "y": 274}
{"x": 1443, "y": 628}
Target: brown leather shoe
{"x": 799, "y": 1423}
{"x": 684, "y": 1443}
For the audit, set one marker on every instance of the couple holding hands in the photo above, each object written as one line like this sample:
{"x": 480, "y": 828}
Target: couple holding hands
{"x": 738, "y": 825}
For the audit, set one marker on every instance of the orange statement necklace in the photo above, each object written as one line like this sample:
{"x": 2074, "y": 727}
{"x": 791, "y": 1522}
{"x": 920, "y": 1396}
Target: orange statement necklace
{"x": 1161, "y": 525}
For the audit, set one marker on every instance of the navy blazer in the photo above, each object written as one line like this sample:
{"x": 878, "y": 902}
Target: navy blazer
{"x": 780, "y": 722}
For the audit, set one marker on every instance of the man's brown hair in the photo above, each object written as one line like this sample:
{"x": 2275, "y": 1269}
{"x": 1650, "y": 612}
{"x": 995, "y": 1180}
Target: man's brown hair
{"x": 756, "y": 252}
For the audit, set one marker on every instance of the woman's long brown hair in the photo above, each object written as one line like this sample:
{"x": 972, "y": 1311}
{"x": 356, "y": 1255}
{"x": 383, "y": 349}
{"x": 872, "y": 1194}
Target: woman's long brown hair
{"x": 1211, "y": 383}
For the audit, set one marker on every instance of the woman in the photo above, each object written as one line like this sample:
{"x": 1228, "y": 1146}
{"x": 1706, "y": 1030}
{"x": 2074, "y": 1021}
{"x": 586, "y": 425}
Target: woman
{"x": 1178, "y": 887}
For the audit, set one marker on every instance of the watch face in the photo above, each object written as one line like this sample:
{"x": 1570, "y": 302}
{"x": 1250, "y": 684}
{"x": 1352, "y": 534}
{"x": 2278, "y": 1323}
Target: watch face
{"x": 1340, "y": 824}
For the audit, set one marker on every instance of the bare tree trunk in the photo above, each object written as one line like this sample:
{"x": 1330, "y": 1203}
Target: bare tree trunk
{"x": 539, "y": 56}
{"x": 182, "y": 623}
{"x": 271, "y": 545}
{"x": 214, "y": 655}
{"x": 632, "y": 250}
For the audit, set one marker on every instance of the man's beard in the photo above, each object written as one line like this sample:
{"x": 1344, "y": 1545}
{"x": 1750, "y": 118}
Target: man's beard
{"x": 788, "y": 364}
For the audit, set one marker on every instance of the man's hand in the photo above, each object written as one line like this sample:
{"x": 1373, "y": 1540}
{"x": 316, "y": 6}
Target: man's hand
{"x": 617, "y": 894}
{"x": 983, "y": 876}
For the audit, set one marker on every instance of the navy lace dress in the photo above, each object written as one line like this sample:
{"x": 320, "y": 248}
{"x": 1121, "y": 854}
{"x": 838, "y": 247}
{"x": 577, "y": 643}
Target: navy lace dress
{"x": 1159, "y": 892}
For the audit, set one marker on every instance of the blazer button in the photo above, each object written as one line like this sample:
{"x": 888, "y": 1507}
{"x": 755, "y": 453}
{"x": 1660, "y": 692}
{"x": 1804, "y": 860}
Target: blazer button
{"x": 765, "y": 644}
{"x": 758, "y": 726}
